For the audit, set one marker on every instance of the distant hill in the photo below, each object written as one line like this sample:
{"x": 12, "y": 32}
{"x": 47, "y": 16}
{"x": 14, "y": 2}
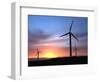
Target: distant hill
{"x": 60, "y": 61}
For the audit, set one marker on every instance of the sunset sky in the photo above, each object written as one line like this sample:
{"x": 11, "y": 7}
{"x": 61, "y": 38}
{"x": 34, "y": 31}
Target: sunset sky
{"x": 44, "y": 32}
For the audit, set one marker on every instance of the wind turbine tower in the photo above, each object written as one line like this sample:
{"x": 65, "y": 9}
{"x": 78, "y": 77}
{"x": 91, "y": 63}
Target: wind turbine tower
{"x": 70, "y": 34}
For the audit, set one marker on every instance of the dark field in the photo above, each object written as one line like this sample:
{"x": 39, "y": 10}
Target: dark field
{"x": 60, "y": 61}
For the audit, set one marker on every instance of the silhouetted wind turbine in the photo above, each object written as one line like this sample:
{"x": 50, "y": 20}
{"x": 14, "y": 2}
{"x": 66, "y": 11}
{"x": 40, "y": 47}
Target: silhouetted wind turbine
{"x": 38, "y": 53}
{"x": 70, "y": 35}
{"x": 75, "y": 50}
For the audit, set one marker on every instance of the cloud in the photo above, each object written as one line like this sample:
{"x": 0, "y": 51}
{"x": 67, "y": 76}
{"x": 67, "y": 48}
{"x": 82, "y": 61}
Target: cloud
{"x": 81, "y": 35}
{"x": 37, "y": 36}
{"x": 55, "y": 39}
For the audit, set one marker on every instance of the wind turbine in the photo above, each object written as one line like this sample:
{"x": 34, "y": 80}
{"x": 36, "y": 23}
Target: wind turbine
{"x": 75, "y": 50}
{"x": 70, "y": 37}
{"x": 38, "y": 53}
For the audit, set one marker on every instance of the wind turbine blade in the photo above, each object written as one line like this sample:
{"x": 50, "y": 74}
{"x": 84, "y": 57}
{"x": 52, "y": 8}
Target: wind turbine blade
{"x": 71, "y": 26}
{"x": 64, "y": 34}
{"x": 74, "y": 37}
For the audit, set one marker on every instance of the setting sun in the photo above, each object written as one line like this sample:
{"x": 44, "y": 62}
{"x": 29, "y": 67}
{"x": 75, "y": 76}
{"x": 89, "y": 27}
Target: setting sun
{"x": 49, "y": 55}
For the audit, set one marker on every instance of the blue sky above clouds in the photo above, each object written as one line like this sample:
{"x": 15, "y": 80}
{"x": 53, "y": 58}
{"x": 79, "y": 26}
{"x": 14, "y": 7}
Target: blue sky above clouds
{"x": 44, "y": 30}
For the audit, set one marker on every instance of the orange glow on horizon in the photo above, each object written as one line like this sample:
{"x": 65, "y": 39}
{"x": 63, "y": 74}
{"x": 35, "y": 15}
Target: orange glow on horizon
{"x": 49, "y": 55}
{"x": 54, "y": 52}
{"x": 49, "y": 52}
